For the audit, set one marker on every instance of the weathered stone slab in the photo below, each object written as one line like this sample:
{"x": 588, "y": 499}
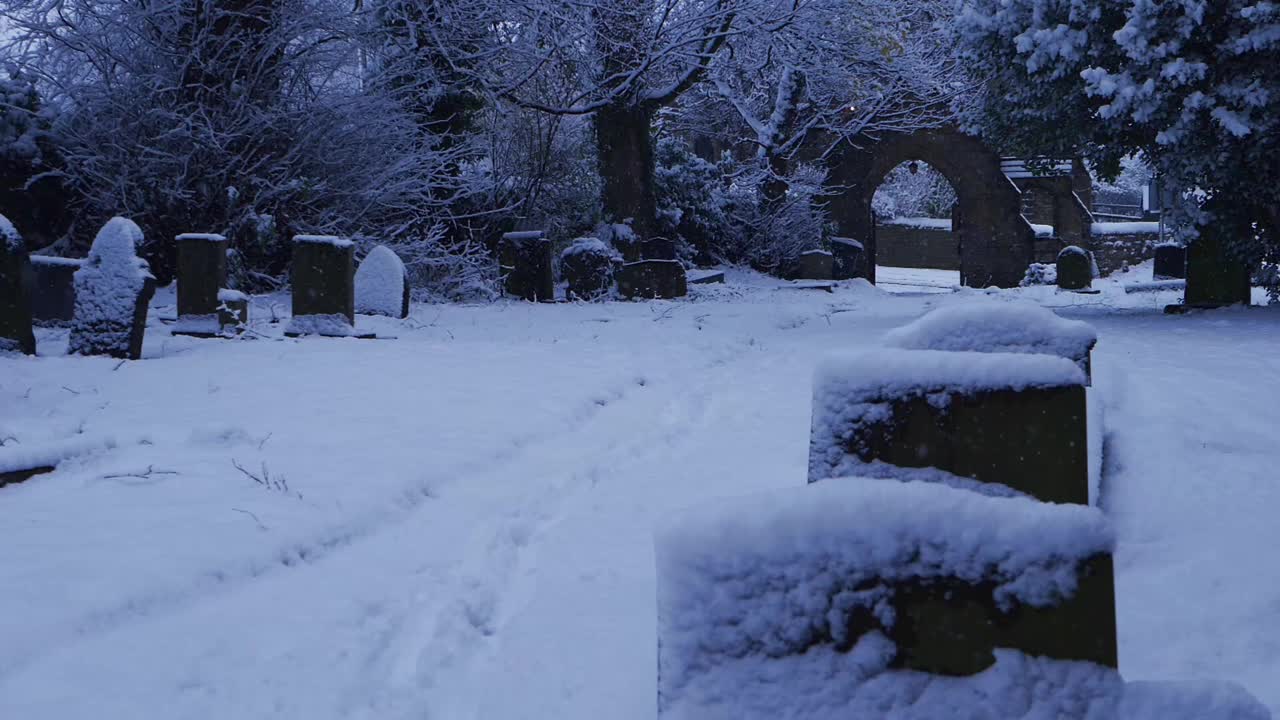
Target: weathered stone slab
{"x": 847, "y": 259}
{"x": 526, "y": 266}
{"x": 202, "y": 272}
{"x": 323, "y": 278}
{"x": 816, "y": 265}
{"x": 53, "y": 289}
{"x": 1075, "y": 268}
{"x": 113, "y": 290}
{"x": 664, "y": 279}
{"x": 588, "y": 267}
{"x": 1170, "y": 263}
{"x": 16, "y": 334}
{"x": 1016, "y": 420}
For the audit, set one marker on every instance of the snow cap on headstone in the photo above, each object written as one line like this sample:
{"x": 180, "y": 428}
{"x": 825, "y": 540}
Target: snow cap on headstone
{"x": 380, "y": 282}
{"x": 117, "y": 242}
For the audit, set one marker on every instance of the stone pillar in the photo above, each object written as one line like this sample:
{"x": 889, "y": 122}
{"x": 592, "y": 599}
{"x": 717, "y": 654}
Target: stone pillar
{"x": 1075, "y": 268}
{"x": 847, "y": 258}
{"x": 323, "y": 277}
{"x": 1214, "y": 278}
{"x": 53, "y": 289}
{"x": 816, "y": 265}
{"x": 202, "y": 272}
{"x": 16, "y": 334}
{"x": 526, "y": 267}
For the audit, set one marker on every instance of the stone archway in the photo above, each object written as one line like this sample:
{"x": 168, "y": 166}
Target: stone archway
{"x": 996, "y": 242}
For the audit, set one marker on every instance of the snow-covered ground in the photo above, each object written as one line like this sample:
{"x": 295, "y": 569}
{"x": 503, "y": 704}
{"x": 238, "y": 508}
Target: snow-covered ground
{"x": 458, "y": 522}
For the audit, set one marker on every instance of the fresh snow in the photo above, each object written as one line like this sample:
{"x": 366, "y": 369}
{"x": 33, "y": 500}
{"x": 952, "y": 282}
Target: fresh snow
{"x": 1126, "y": 228}
{"x": 989, "y": 325}
{"x": 107, "y": 287}
{"x": 324, "y": 240}
{"x": 380, "y": 283}
{"x": 58, "y": 261}
{"x": 468, "y": 525}
{"x": 920, "y": 222}
{"x": 201, "y": 237}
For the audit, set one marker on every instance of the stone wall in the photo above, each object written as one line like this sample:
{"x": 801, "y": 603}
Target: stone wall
{"x": 914, "y": 246}
{"x": 1114, "y": 250}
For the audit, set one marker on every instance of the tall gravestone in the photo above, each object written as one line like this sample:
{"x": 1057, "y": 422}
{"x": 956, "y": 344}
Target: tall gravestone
{"x": 846, "y": 259}
{"x": 1170, "y": 262}
{"x": 113, "y": 288}
{"x": 816, "y": 265}
{"x": 1214, "y": 278}
{"x": 382, "y": 284}
{"x": 16, "y": 334}
{"x": 526, "y": 265}
{"x": 323, "y": 277}
{"x": 202, "y": 272}
{"x": 53, "y": 289}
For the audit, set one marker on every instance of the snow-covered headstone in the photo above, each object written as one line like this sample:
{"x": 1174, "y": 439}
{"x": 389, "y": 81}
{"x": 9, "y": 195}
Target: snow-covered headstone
{"x": 202, "y": 271}
{"x": 1170, "y": 262}
{"x": 16, "y": 334}
{"x": 113, "y": 287}
{"x": 816, "y": 265}
{"x": 998, "y": 326}
{"x": 382, "y": 284}
{"x": 1007, "y": 421}
{"x": 1076, "y": 269}
{"x": 323, "y": 277}
{"x": 53, "y": 289}
{"x": 525, "y": 261}
{"x": 846, "y": 259}
{"x": 662, "y": 279}
{"x": 233, "y": 311}
{"x": 808, "y": 603}
{"x": 588, "y": 267}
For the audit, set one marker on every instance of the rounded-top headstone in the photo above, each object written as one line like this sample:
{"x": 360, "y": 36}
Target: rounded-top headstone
{"x": 382, "y": 286}
{"x": 16, "y": 334}
{"x": 588, "y": 266}
{"x": 1075, "y": 268}
{"x": 113, "y": 288}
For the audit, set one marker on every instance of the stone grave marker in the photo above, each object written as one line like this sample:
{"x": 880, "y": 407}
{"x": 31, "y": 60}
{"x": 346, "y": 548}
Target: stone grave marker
{"x": 202, "y": 272}
{"x": 113, "y": 289}
{"x": 382, "y": 284}
{"x": 16, "y": 334}
{"x": 323, "y": 278}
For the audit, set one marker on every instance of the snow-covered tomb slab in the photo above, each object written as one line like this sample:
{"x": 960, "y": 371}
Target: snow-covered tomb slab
{"x": 1014, "y": 420}
{"x": 998, "y": 326}
{"x": 323, "y": 275}
{"x": 804, "y": 602}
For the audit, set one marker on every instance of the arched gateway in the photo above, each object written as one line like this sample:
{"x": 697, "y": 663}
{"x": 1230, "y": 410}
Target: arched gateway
{"x": 996, "y": 242}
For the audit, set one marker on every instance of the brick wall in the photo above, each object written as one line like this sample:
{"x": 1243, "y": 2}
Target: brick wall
{"x": 916, "y": 247}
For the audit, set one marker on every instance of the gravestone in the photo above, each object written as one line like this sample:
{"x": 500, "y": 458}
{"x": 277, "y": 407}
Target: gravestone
{"x": 816, "y": 265}
{"x": 1214, "y": 278}
{"x": 233, "y": 311}
{"x": 113, "y": 288}
{"x": 1170, "y": 263}
{"x": 382, "y": 284}
{"x": 16, "y": 334}
{"x": 1075, "y": 268}
{"x": 525, "y": 262}
{"x": 202, "y": 272}
{"x": 649, "y": 279}
{"x": 846, "y": 259}
{"x": 53, "y": 289}
{"x": 1015, "y": 420}
{"x": 587, "y": 267}
{"x": 323, "y": 278}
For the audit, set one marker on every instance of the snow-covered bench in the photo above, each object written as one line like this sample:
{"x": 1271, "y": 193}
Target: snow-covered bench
{"x": 1017, "y": 421}
{"x": 998, "y": 326}
{"x": 864, "y": 599}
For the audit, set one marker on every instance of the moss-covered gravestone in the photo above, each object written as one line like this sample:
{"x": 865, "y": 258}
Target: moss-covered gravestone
{"x": 1017, "y": 421}
{"x": 1214, "y": 277}
{"x": 526, "y": 265}
{"x": 53, "y": 289}
{"x": 382, "y": 284}
{"x": 1075, "y": 268}
{"x": 202, "y": 272}
{"x": 113, "y": 288}
{"x": 323, "y": 277}
{"x": 16, "y": 334}
{"x": 846, "y": 259}
{"x": 1170, "y": 262}
{"x": 650, "y": 279}
{"x": 587, "y": 267}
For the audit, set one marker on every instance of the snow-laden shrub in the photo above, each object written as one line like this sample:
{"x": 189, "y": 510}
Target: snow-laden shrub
{"x": 1040, "y": 274}
{"x": 382, "y": 284}
{"x": 110, "y": 286}
{"x": 588, "y": 265}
